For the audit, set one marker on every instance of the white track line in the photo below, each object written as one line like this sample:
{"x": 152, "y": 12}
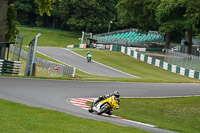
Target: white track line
{"x": 104, "y": 65}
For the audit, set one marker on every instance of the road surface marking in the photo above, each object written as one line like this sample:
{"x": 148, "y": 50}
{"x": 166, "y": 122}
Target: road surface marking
{"x": 81, "y": 102}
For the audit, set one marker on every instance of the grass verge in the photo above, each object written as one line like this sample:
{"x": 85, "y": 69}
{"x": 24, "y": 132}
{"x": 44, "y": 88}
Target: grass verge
{"x": 146, "y": 72}
{"x": 50, "y": 38}
{"x": 175, "y": 114}
{"x": 18, "y": 118}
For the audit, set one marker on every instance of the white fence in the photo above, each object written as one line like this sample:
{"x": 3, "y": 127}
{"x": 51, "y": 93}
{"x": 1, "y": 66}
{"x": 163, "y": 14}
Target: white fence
{"x": 183, "y": 60}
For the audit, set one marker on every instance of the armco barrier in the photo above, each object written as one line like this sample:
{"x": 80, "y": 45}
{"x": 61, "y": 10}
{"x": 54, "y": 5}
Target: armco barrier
{"x": 156, "y": 62}
{"x": 77, "y": 46}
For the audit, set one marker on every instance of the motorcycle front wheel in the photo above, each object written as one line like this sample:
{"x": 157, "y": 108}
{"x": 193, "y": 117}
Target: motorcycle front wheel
{"x": 90, "y": 109}
{"x": 103, "y": 110}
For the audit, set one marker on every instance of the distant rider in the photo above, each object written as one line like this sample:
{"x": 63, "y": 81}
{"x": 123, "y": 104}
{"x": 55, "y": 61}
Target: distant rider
{"x": 88, "y": 52}
{"x": 88, "y": 56}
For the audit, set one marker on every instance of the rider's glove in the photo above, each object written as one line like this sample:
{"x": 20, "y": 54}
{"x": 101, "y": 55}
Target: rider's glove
{"x": 106, "y": 96}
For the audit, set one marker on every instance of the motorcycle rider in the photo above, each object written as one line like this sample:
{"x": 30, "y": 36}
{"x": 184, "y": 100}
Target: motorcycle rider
{"x": 104, "y": 96}
{"x": 88, "y": 55}
{"x": 88, "y": 52}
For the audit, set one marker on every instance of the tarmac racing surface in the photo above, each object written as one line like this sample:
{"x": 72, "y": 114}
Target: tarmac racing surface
{"x": 55, "y": 95}
{"x": 63, "y": 95}
{"x": 79, "y": 62}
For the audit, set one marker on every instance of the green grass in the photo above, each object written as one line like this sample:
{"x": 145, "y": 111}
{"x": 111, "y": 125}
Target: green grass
{"x": 146, "y": 72}
{"x": 175, "y": 114}
{"x": 19, "y": 118}
{"x": 50, "y": 38}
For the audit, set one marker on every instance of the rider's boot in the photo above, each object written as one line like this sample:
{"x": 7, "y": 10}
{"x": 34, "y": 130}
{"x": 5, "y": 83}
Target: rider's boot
{"x": 109, "y": 112}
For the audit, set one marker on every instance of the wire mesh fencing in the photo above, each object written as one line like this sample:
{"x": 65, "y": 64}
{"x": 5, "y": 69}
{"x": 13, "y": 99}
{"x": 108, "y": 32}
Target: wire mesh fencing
{"x": 49, "y": 65}
{"x": 17, "y": 47}
{"x": 183, "y": 60}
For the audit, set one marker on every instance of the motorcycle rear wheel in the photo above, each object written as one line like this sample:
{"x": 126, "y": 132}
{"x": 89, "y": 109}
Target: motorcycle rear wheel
{"x": 89, "y": 60}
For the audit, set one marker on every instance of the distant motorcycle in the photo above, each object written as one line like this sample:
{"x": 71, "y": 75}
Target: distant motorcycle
{"x": 105, "y": 106}
{"x": 89, "y": 58}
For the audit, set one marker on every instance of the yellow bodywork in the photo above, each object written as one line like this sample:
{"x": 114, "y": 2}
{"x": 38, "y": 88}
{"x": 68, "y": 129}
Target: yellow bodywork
{"x": 111, "y": 101}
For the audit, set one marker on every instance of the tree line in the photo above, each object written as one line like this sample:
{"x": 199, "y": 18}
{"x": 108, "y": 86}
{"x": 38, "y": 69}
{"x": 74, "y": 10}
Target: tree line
{"x": 87, "y": 15}
{"x": 174, "y": 18}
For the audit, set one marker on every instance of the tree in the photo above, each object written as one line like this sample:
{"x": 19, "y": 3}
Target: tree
{"x": 27, "y": 11}
{"x": 44, "y": 6}
{"x": 11, "y": 29}
{"x": 192, "y": 19}
{"x": 141, "y": 13}
{"x": 89, "y": 15}
{"x": 3, "y": 16}
{"x": 55, "y": 14}
{"x": 174, "y": 15}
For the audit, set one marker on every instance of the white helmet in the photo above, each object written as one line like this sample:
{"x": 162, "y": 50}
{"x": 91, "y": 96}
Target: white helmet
{"x": 116, "y": 94}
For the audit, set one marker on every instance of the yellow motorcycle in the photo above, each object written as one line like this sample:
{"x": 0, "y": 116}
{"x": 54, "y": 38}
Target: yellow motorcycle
{"x": 105, "y": 106}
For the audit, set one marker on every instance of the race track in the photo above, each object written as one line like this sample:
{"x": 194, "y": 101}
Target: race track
{"x": 53, "y": 94}
{"x": 70, "y": 58}
{"x": 56, "y": 95}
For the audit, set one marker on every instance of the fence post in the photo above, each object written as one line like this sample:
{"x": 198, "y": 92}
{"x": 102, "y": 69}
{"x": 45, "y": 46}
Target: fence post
{"x": 74, "y": 70}
{"x": 31, "y": 56}
{"x": 34, "y": 69}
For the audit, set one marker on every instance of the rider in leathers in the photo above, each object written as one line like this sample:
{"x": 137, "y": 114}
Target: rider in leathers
{"x": 103, "y": 97}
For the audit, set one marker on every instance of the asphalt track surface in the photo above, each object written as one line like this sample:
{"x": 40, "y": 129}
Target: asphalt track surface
{"x": 54, "y": 94}
{"x": 79, "y": 62}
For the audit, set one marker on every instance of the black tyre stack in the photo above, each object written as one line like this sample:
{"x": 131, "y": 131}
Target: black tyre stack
{"x": 1, "y": 65}
{"x": 11, "y": 67}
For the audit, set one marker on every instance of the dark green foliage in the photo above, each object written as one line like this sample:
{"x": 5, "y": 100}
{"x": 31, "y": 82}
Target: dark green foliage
{"x": 11, "y": 29}
{"x": 171, "y": 16}
{"x": 45, "y": 6}
{"x": 87, "y": 15}
{"x": 176, "y": 15}
{"x": 140, "y": 13}
{"x": 27, "y": 12}
{"x": 90, "y": 16}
